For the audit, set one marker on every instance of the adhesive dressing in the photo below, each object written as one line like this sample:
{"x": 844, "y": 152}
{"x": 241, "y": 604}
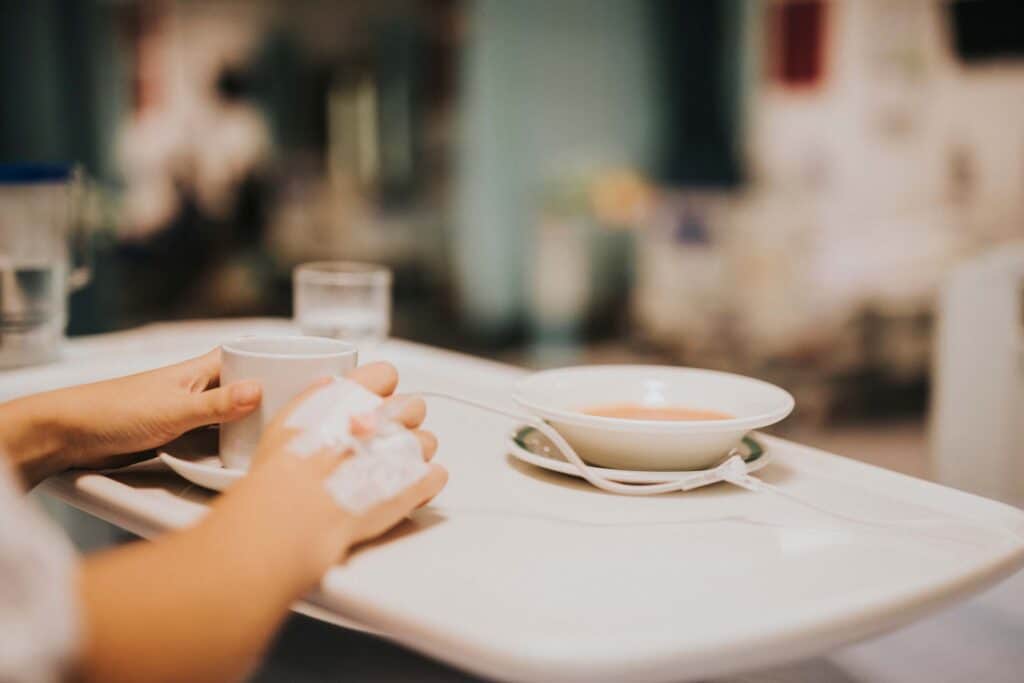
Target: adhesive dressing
{"x": 387, "y": 457}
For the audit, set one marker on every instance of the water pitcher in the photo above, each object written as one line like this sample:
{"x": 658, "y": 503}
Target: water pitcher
{"x": 39, "y": 233}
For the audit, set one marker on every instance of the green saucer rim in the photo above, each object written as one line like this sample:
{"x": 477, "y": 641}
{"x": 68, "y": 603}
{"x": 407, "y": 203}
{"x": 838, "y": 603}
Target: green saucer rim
{"x": 754, "y": 447}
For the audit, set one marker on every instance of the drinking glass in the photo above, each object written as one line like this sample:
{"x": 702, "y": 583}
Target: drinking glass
{"x": 343, "y": 300}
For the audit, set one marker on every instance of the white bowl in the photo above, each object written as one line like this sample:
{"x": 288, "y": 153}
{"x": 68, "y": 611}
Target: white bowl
{"x": 560, "y": 396}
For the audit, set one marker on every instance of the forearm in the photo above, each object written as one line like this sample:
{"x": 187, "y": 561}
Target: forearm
{"x": 198, "y": 605}
{"x": 33, "y": 442}
{"x": 214, "y": 593}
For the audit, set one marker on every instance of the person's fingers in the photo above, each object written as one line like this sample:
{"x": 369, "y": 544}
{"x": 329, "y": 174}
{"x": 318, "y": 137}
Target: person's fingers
{"x": 221, "y": 405}
{"x": 203, "y": 371}
{"x": 422, "y": 492}
{"x": 380, "y": 378}
{"x": 431, "y": 484}
{"x": 412, "y": 410}
{"x": 393, "y": 511}
{"x": 428, "y": 443}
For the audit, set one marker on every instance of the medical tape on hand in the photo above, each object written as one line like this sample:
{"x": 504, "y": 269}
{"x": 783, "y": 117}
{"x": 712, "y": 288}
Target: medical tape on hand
{"x": 381, "y": 466}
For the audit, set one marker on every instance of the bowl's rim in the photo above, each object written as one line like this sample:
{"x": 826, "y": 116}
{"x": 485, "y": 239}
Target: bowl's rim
{"x": 741, "y": 423}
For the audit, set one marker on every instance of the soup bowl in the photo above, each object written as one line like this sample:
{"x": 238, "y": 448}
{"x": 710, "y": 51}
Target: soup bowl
{"x": 561, "y": 396}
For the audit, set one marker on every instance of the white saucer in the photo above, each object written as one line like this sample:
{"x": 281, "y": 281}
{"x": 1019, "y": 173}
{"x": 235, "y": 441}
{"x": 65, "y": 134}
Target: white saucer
{"x": 530, "y": 446}
{"x": 207, "y": 472}
{"x": 194, "y": 458}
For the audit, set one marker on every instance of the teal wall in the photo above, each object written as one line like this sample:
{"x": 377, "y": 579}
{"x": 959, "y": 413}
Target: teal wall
{"x": 61, "y": 82}
{"x": 547, "y": 88}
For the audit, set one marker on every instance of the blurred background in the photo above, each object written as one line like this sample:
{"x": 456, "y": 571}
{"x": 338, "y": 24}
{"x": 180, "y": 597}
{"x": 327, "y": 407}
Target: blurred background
{"x": 823, "y": 194}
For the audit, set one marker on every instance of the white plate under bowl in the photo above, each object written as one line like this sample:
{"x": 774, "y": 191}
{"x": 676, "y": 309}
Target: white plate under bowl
{"x": 529, "y": 445}
{"x": 560, "y": 397}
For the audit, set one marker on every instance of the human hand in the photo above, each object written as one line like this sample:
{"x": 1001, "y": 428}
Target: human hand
{"x": 106, "y": 424}
{"x": 264, "y": 543}
{"x": 284, "y": 495}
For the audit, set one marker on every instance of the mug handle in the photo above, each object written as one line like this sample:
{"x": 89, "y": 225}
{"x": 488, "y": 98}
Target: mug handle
{"x": 80, "y": 244}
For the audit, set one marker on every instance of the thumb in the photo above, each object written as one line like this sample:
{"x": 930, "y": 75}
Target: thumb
{"x": 223, "y": 404}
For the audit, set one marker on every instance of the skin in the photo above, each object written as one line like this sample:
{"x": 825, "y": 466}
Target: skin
{"x": 201, "y": 604}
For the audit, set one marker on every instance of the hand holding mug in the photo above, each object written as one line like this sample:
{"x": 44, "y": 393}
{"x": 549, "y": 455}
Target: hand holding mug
{"x": 284, "y": 495}
{"x": 109, "y": 423}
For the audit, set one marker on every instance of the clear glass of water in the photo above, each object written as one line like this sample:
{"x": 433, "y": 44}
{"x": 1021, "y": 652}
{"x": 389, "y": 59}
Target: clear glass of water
{"x": 343, "y": 300}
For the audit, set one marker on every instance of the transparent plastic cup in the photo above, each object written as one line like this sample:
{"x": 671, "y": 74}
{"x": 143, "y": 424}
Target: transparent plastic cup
{"x": 343, "y": 300}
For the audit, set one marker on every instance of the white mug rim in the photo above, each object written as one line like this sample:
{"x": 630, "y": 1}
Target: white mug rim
{"x": 330, "y": 347}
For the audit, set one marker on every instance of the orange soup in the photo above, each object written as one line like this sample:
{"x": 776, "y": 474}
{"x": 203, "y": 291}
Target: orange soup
{"x": 637, "y": 411}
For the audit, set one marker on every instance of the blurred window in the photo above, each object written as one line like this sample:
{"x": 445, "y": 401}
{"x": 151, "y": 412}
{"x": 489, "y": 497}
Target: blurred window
{"x": 987, "y": 29}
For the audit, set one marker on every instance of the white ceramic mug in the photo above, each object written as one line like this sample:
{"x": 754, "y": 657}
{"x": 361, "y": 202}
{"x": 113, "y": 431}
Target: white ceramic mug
{"x": 283, "y": 366}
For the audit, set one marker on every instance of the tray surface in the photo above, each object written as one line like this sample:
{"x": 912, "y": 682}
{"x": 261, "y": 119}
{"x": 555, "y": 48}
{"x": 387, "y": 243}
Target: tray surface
{"x": 525, "y": 574}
